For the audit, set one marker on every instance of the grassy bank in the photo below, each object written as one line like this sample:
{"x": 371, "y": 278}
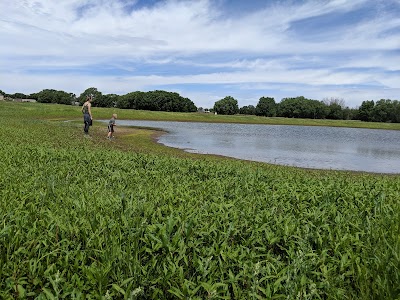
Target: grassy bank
{"x": 130, "y": 219}
{"x": 61, "y": 112}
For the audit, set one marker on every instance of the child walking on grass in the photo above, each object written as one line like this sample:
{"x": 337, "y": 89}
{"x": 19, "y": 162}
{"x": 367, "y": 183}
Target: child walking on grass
{"x": 110, "y": 126}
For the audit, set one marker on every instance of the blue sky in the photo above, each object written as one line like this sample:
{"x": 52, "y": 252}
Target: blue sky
{"x": 204, "y": 49}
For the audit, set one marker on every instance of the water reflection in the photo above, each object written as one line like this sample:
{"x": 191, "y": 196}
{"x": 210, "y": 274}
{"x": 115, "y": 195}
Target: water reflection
{"x": 302, "y": 146}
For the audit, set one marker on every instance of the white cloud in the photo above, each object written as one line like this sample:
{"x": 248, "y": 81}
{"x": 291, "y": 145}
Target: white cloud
{"x": 259, "y": 48}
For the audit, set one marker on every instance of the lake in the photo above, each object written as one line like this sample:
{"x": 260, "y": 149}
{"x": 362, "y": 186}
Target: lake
{"x": 318, "y": 147}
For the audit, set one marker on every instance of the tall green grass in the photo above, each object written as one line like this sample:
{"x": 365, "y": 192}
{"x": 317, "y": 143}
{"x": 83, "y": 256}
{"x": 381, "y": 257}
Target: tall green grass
{"x": 81, "y": 219}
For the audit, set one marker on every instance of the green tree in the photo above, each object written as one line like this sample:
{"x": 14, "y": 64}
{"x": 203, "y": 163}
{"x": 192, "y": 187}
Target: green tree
{"x": 108, "y": 100}
{"x": 62, "y": 97}
{"x": 92, "y": 91}
{"x": 156, "y": 101}
{"x": 133, "y": 100}
{"x": 34, "y": 96}
{"x": 335, "y": 112}
{"x": 226, "y": 106}
{"x": 395, "y": 113}
{"x": 47, "y": 96}
{"x": 335, "y": 108}
{"x": 18, "y": 96}
{"x": 266, "y": 107}
{"x": 365, "y": 110}
{"x": 290, "y": 107}
{"x": 167, "y": 101}
{"x": 301, "y": 107}
{"x": 350, "y": 113}
{"x": 317, "y": 110}
{"x": 187, "y": 105}
{"x": 382, "y": 110}
{"x": 54, "y": 96}
{"x": 247, "y": 110}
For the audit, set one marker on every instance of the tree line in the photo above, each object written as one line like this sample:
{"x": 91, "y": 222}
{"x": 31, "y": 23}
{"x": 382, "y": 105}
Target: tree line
{"x": 153, "y": 100}
{"x": 384, "y": 110}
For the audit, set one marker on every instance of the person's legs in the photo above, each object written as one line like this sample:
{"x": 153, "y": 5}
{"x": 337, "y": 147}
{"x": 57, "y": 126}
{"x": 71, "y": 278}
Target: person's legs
{"x": 109, "y": 131}
{"x": 86, "y": 120}
{"x": 86, "y": 128}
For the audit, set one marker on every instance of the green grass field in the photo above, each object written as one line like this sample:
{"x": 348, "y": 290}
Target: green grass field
{"x": 63, "y": 112}
{"x": 130, "y": 219}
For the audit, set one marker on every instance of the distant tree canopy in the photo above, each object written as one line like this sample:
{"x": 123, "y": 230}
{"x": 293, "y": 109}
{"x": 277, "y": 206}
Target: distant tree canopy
{"x": 266, "y": 107}
{"x": 384, "y": 110}
{"x": 226, "y": 106}
{"x": 53, "y": 96}
{"x": 92, "y": 91}
{"x": 247, "y": 110}
{"x": 335, "y": 108}
{"x": 18, "y": 96}
{"x": 156, "y": 101}
{"x": 108, "y": 100}
{"x": 365, "y": 110}
{"x": 301, "y": 107}
{"x": 99, "y": 100}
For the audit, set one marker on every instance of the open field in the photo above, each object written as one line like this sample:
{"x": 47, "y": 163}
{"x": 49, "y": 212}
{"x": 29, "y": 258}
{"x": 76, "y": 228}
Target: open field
{"x": 71, "y": 112}
{"x": 129, "y": 219}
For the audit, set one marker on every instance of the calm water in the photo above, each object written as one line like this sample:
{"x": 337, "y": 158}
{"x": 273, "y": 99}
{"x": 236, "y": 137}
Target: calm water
{"x": 302, "y": 146}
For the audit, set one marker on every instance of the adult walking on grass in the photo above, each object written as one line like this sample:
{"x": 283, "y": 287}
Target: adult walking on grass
{"x": 87, "y": 114}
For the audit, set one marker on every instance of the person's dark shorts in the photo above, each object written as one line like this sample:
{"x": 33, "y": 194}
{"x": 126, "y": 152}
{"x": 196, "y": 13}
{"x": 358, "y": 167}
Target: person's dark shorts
{"x": 110, "y": 128}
